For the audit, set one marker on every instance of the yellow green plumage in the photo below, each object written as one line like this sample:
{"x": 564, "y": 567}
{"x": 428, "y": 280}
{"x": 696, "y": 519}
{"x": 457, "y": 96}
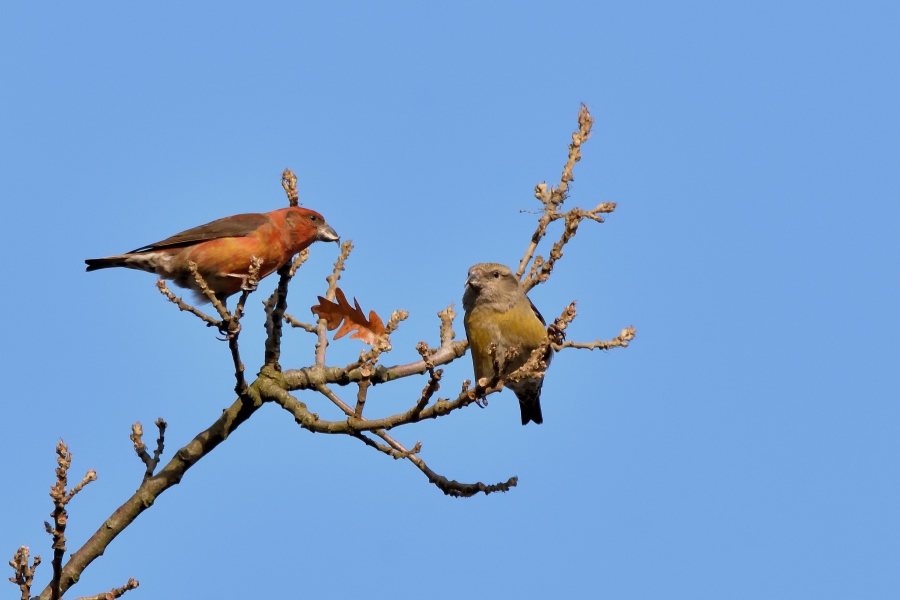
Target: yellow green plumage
{"x": 498, "y": 312}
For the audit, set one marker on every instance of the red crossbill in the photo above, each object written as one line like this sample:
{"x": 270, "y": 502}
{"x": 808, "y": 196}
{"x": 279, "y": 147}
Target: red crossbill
{"x": 498, "y": 312}
{"x": 222, "y": 249}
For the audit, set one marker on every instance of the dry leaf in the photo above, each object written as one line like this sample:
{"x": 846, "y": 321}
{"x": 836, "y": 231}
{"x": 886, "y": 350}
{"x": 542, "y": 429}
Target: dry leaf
{"x": 369, "y": 330}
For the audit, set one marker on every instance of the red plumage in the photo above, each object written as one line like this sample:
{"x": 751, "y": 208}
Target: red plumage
{"x": 223, "y": 248}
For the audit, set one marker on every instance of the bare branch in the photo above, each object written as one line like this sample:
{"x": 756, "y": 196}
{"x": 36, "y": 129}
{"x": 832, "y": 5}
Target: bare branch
{"x": 289, "y": 183}
{"x": 240, "y": 384}
{"x": 24, "y": 574}
{"x": 151, "y": 488}
{"x": 250, "y": 285}
{"x": 433, "y": 385}
{"x": 210, "y": 295}
{"x": 61, "y": 498}
{"x": 251, "y": 282}
{"x": 355, "y": 425}
{"x": 620, "y": 341}
{"x": 396, "y": 317}
{"x": 462, "y": 490}
{"x": 275, "y": 385}
{"x": 275, "y": 307}
{"x": 332, "y": 280}
{"x": 447, "y": 334}
{"x": 298, "y": 261}
{"x": 361, "y": 396}
{"x": 115, "y": 592}
{"x": 58, "y": 530}
{"x": 210, "y": 322}
{"x": 293, "y": 322}
{"x": 311, "y": 421}
{"x": 136, "y": 432}
{"x": 387, "y": 449}
{"x": 302, "y": 379}
{"x": 552, "y": 199}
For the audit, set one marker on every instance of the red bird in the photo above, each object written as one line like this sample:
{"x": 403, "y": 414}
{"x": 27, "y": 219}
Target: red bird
{"x": 222, "y": 249}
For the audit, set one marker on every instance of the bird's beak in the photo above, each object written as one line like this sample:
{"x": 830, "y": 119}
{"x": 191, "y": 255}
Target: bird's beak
{"x": 473, "y": 277}
{"x": 326, "y": 234}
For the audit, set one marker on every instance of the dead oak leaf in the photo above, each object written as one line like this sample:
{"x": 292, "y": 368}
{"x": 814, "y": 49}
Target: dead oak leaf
{"x": 367, "y": 330}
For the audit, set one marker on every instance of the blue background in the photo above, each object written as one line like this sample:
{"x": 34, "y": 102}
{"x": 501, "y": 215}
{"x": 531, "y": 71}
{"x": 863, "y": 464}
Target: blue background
{"x": 744, "y": 446}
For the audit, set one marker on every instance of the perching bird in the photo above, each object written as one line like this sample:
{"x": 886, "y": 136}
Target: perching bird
{"x": 498, "y": 312}
{"x": 222, "y": 249}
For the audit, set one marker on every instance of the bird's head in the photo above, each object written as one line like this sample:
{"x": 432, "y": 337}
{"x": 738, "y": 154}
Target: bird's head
{"x": 490, "y": 282}
{"x": 311, "y": 225}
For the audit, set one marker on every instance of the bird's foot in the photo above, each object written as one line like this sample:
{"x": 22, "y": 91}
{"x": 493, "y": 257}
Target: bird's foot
{"x": 557, "y": 334}
{"x": 248, "y": 283}
{"x": 230, "y": 330}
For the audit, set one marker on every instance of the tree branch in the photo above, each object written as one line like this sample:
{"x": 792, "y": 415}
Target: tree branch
{"x": 152, "y": 487}
{"x": 24, "y": 574}
{"x": 321, "y": 327}
{"x": 275, "y": 385}
{"x": 137, "y": 432}
{"x": 115, "y": 592}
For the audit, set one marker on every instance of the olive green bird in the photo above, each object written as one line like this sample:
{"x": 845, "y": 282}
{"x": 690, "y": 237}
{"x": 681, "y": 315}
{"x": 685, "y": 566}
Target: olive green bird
{"x": 498, "y": 312}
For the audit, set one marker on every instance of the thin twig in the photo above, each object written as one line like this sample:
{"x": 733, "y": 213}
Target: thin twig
{"x": 620, "y": 341}
{"x": 321, "y": 324}
{"x": 552, "y": 199}
{"x": 182, "y": 305}
{"x": 450, "y": 488}
{"x": 289, "y": 183}
{"x": 234, "y": 324}
{"x": 361, "y": 397}
{"x": 275, "y": 307}
{"x": 395, "y": 454}
{"x": 24, "y": 574}
{"x": 61, "y": 497}
{"x": 210, "y": 295}
{"x": 140, "y": 448}
{"x": 298, "y": 261}
{"x": 115, "y": 592}
{"x": 151, "y": 488}
{"x": 293, "y": 322}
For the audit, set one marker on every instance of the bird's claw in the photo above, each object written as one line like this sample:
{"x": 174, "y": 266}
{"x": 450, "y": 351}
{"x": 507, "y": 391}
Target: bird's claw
{"x": 556, "y": 333}
{"x": 230, "y": 333}
{"x": 248, "y": 283}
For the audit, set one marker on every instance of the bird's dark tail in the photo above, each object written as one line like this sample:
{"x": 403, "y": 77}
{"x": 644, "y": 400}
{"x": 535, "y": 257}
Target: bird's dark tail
{"x": 142, "y": 261}
{"x": 94, "y": 264}
{"x": 529, "y": 395}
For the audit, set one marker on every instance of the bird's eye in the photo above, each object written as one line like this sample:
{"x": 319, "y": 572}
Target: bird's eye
{"x": 312, "y": 217}
{"x": 496, "y": 274}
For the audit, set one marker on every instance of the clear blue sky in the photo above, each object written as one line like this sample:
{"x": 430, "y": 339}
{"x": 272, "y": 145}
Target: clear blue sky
{"x": 745, "y": 446}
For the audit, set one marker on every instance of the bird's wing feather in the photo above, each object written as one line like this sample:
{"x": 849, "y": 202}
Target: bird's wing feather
{"x": 537, "y": 312}
{"x": 235, "y": 226}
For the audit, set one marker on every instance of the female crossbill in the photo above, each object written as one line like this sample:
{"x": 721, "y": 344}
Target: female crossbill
{"x": 498, "y": 312}
{"x": 222, "y": 249}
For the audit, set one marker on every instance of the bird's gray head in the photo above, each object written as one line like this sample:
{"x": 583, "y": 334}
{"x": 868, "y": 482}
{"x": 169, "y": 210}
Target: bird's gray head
{"x": 490, "y": 283}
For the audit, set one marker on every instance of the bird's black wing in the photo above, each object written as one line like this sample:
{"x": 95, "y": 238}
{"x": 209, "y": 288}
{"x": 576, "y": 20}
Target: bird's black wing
{"x": 234, "y": 226}
{"x": 537, "y": 312}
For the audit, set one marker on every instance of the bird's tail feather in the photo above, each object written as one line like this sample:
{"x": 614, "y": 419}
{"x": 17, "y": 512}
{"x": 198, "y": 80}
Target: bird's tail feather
{"x": 529, "y": 396}
{"x": 94, "y": 264}
{"x": 142, "y": 262}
